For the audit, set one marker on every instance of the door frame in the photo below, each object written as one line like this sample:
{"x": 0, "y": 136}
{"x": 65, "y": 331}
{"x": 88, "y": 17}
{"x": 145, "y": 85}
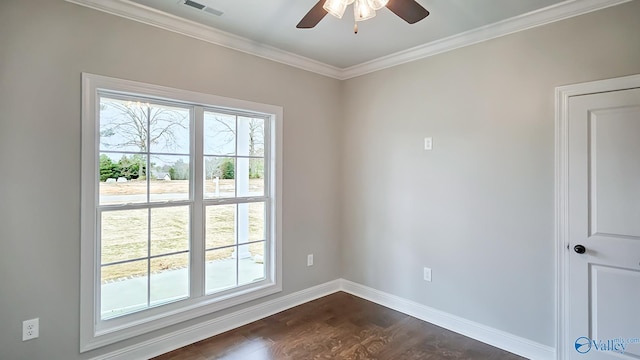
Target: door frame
{"x": 563, "y": 95}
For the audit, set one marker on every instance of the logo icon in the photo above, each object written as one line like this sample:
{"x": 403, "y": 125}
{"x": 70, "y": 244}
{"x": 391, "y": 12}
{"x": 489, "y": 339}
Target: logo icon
{"x": 583, "y": 345}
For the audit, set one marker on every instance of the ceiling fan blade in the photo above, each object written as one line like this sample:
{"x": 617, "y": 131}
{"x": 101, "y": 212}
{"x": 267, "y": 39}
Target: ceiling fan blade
{"x": 409, "y": 10}
{"x": 313, "y": 17}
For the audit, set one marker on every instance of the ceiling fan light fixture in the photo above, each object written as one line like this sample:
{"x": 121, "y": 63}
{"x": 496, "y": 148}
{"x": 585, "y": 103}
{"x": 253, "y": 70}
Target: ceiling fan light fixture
{"x": 408, "y": 10}
{"x": 335, "y": 7}
{"x": 362, "y": 11}
{"x": 377, "y": 4}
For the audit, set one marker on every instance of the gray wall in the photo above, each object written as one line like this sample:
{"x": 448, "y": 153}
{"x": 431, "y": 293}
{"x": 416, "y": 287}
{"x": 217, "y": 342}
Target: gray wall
{"x": 44, "y": 47}
{"x": 479, "y": 208}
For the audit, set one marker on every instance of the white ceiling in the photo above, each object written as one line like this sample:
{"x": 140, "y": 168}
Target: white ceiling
{"x": 267, "y": 28}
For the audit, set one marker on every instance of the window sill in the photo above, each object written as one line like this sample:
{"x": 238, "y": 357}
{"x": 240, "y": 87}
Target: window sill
{"x": 127, "y": 327}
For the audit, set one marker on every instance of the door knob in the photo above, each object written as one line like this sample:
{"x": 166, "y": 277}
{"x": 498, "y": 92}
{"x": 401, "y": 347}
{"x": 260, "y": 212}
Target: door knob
{"x": 580, "y": 249}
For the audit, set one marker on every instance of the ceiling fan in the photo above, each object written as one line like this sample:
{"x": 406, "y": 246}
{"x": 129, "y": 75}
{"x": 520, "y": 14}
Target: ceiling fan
{"x": 409, "y": 10}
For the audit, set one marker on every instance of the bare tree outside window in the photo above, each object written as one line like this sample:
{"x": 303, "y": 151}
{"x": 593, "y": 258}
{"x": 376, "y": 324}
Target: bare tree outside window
{"x": 220, "y": 133}
{"x": 139, "y": 128}
{"x": 135, "y": 126}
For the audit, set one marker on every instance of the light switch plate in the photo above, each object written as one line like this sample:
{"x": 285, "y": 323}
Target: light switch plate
{"x": 428, "y": 143}
{"x": 310, "y": 260}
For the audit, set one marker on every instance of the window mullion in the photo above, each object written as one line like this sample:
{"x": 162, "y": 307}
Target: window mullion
{"x": 148, "y": 155}
{"x": 197, "y": 280}
{"x": 148, "y": 254}
{"x": 148, "y": 182}
{"x": 269, "y": 248}
{"x": 235, "y": 189}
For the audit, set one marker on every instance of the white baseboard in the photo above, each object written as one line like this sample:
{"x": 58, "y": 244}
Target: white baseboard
{"x": 483, "y": 333}
{"x": 189, "y": 335}
{"x": 207, "y": 329}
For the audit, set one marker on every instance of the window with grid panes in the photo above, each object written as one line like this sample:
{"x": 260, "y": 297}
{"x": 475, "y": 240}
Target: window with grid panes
{"x": 183, "y": 187}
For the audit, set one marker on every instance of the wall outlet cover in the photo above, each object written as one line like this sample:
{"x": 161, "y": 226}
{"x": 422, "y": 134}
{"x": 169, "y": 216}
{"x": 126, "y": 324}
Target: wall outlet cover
{"x": 427, "y": 274}
{"x": 30, "y": 329}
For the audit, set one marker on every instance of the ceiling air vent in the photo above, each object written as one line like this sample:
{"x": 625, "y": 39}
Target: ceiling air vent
{"x": 202, "y": 7}
{"x": 194, "y": 4}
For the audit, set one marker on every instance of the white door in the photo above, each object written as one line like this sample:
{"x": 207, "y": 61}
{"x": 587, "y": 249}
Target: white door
{"x": 604, "y": 222}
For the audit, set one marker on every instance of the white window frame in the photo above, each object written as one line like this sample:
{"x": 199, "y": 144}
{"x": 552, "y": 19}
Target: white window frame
{"x": 95, "y": 332}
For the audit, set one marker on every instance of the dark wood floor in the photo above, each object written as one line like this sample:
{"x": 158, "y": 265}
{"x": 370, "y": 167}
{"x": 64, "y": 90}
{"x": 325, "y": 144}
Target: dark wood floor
{"x": 338, "y": 326}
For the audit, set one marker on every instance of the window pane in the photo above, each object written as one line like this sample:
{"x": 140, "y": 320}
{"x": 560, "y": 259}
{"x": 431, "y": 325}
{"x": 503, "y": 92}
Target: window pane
{"x": 250, "y": 177}
{"x": 219, "y": 134}
{"x": 251, "y": 222}
{"x": 220, "y": 226}
{"x": 169, "y": 129}
{"x": 256, "y": 220}
{"x": 220, "y": 270}
{"x": 122, "y": 178}
{"x": 169, "y": 178}
{"x": 251, "y": 265}
{"x": 123, "y": 125}
{"x": 250, "y": 136}
{"x": 124, "y": 235}
{"x": 169, "y": 230}
{"x": 220, "y": 177}
{"x": 128, "y": 294}
{"x": 169, "y": 278}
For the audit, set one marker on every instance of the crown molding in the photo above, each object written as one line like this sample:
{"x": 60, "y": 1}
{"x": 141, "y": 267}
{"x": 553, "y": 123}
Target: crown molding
{"x": 150, "y": 16}
{"x": 557, "y": 12}
{"x": 146, "y": 15}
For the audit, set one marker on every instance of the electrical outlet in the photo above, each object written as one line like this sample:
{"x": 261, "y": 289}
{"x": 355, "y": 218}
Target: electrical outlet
{"x": 427, "y": 274}
{"x": 310, "y": 260}
{"x": 30, "y": 329}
